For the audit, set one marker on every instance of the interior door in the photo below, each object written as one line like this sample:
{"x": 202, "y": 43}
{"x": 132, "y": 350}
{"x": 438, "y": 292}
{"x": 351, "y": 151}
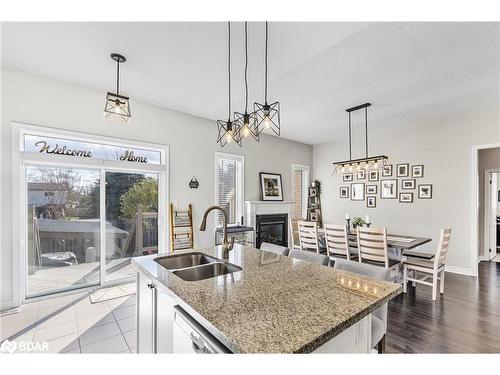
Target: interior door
{"x": 492, "y": 221}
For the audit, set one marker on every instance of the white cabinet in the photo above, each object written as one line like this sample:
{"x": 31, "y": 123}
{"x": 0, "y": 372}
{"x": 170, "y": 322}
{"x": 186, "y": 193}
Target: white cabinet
{"x": 154, "y": 317}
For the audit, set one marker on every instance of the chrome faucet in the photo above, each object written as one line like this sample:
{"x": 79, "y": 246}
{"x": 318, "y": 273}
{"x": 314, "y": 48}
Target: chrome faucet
{"x": 226, "y": 245}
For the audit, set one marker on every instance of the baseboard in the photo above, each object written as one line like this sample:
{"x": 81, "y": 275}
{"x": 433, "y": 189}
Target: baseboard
{"x": 6, "y": 306}
{"x": 482, "y": 258}
{"x": 459, "y": 270}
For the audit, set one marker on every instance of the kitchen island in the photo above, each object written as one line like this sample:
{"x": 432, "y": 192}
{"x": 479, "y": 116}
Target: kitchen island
{"x": 274, "y": 304}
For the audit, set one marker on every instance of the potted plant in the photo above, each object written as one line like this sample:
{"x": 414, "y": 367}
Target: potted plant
{"x": 357, "y": 222}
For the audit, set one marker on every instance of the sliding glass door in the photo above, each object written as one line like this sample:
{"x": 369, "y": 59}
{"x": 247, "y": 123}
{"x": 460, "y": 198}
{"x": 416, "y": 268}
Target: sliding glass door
{"x": 131, "y": 221}
{"x": 86, "y": 206}
{"x": 63, "y": 229}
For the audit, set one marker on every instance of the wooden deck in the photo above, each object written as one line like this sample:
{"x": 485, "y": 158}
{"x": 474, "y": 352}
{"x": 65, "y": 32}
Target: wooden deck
{"x": 55, "y": 279}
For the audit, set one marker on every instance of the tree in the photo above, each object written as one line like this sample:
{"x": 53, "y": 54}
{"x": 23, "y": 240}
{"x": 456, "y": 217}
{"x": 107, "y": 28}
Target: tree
{"x": 142, "y": 194}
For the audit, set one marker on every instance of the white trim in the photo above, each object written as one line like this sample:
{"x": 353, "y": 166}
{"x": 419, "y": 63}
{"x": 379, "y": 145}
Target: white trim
{"x": 475, "y": 204}
{"x": 238, "y": 158}
{"x": 305, "y": 186}
{"x": 459, "y": 270}
{"x": 486, "y": 214}
{"x": 21, "y": 158}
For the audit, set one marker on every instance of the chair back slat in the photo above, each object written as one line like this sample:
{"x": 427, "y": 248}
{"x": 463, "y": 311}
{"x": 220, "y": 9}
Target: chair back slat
{"x": 336, "y": 240}
{"x": 293, "y": 223}
{"x": 443, "y": 246}
{"x": 372, "y": 245}
{"x": 308, "y": 235}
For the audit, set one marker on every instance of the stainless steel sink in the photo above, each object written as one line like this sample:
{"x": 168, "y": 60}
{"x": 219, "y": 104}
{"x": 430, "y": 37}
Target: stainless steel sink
{"x": 206, "y": 271}
{"x": 176, "y": 262}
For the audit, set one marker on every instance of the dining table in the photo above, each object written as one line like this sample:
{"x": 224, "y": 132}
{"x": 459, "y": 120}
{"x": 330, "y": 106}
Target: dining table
{"x": 399, "y": 246}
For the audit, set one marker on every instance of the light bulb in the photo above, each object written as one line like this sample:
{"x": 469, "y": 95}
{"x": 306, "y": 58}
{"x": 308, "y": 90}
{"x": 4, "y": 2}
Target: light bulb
{"x": 267, "y": 122}
{"x": 246, "y": 131}
{"x": 228, "y": 137}
{"x": 117, "y": 108}
{"x": 343, "y": 169}
{"x": 375, "y": 165}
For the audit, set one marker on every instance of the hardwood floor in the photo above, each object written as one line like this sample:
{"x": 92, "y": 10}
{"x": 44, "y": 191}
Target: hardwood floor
{"x": 466, "y": 319}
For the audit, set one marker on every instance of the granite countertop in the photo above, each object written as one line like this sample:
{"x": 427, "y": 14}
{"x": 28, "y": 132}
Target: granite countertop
{"x": 276, "y": 304}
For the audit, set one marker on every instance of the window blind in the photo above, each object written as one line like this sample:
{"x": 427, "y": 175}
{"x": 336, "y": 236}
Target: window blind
{"x": 229, "y": 189}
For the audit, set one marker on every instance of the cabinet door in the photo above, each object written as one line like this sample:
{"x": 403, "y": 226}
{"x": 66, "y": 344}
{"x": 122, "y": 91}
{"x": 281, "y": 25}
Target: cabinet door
{"x": 164, "y": 321}
{"x": 144, "y": 314}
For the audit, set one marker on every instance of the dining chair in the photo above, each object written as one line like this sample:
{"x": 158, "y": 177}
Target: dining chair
{"x": 424, "y": 269}
{"x": 308, "y": 236}
{"x": 293, "y": 223}
{"x": 277, "y": 249}
{"x": 337, "y": 242}
{"x": 372, "y": 247}
{"x": 309, "y": 256}
{"x": 379, "y": 316}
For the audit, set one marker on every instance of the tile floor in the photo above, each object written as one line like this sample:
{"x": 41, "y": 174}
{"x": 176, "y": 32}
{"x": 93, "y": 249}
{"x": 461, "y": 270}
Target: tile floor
{"x": 73, "y": 324}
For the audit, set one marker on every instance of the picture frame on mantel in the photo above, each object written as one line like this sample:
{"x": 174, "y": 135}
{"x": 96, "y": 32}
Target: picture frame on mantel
{"x": 271, "y": 188}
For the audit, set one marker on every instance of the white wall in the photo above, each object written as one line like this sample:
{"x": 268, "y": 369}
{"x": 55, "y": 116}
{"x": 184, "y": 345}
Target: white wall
{"x": 444, "y": 146}
{"x": 40, "y": 101}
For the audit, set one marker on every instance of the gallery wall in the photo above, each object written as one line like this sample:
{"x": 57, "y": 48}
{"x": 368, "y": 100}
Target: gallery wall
{"x": 41, "y": 101}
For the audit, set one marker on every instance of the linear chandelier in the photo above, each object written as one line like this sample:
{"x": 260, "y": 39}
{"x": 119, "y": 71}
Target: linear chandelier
{"x": 228, "y": 130}
{"x": 368, "y": 163}
{"x": 268, "y": 115}
{"x": 117, "y": 106}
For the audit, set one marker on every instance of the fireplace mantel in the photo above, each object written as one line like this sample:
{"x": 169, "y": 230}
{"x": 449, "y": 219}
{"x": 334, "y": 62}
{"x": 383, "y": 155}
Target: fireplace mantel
{"x": 254, "y": 208}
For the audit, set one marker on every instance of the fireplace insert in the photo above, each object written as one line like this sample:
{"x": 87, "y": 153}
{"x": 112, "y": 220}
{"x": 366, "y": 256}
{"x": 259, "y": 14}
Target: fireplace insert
{"x": 272, "y": 229}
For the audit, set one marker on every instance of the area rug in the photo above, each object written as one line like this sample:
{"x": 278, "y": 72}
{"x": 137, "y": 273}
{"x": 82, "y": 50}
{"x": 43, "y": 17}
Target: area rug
{"x": 106, "y": 294}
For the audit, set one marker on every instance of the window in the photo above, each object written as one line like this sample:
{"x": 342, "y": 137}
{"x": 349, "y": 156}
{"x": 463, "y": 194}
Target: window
{"x": 300, "y": 183}
{"x": 229, "y": 171}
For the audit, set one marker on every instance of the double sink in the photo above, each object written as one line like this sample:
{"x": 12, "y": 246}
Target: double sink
{"x": 196, "y": 266}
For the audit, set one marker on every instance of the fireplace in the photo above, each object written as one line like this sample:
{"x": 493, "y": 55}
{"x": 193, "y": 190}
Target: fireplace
{"x": 272, "y": 229}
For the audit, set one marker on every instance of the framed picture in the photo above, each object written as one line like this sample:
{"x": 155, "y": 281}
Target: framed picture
{"x": 402, "y": 170}
{"x": 417, "y": 171}
{"x": 406, "y": 197}
{"x": 389, "y": 189}
{"x": 348, "y": 177}
{"x": 371, "y": 202}
{"x": 358, "y": 192}
{"x": 425, "y": 191}
{"x": 387, "y": 171}
{"x": 373, "y": 176}
{"x": 371, "y": 189}
{"x": 344, "y": 192}
{"x": 270, "y": 187}
{"x": 313, "y": 191}
{"x": 361, "y": 175}
{"x": 313, "y": 216}
{"x": 408, "y": 184}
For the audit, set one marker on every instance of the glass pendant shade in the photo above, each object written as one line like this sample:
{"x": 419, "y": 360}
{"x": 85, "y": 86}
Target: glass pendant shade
{"x": 117, "y": 107}
{"x": 247, "y": 125}
{"x": 374, "y": 163}
{"x": 268, "y": 117}
{"x": 229, "y": 132}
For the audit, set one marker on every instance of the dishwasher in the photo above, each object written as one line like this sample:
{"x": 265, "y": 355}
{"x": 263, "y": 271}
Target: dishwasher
{"x": 190, "y": 337}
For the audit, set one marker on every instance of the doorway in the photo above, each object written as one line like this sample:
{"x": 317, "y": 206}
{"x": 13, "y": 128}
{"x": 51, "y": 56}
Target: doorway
{"x": 87, "y": 206}
{"x": 491, "y": 235}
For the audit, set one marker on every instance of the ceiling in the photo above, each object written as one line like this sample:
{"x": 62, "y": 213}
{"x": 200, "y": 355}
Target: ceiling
{"x": 410, "y": 72}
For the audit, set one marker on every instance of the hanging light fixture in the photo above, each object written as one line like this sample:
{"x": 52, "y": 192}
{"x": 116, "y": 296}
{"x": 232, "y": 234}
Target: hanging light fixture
{"x": 268, "y": 115}
{"x": 228, "y": 130}
{"x": 117, "y": 106}
{"x": 247, "y": 122}
{"x": 368, "y": 163}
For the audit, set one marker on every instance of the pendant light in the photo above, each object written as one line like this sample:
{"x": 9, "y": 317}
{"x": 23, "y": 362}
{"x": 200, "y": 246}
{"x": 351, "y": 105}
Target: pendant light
{"x": 247, "y": 122}
{"x": 228, "y": 130}
{"x": 372, "y": 163}
{"x": 117, "y": 106}
{"x": 268, "y": 115}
